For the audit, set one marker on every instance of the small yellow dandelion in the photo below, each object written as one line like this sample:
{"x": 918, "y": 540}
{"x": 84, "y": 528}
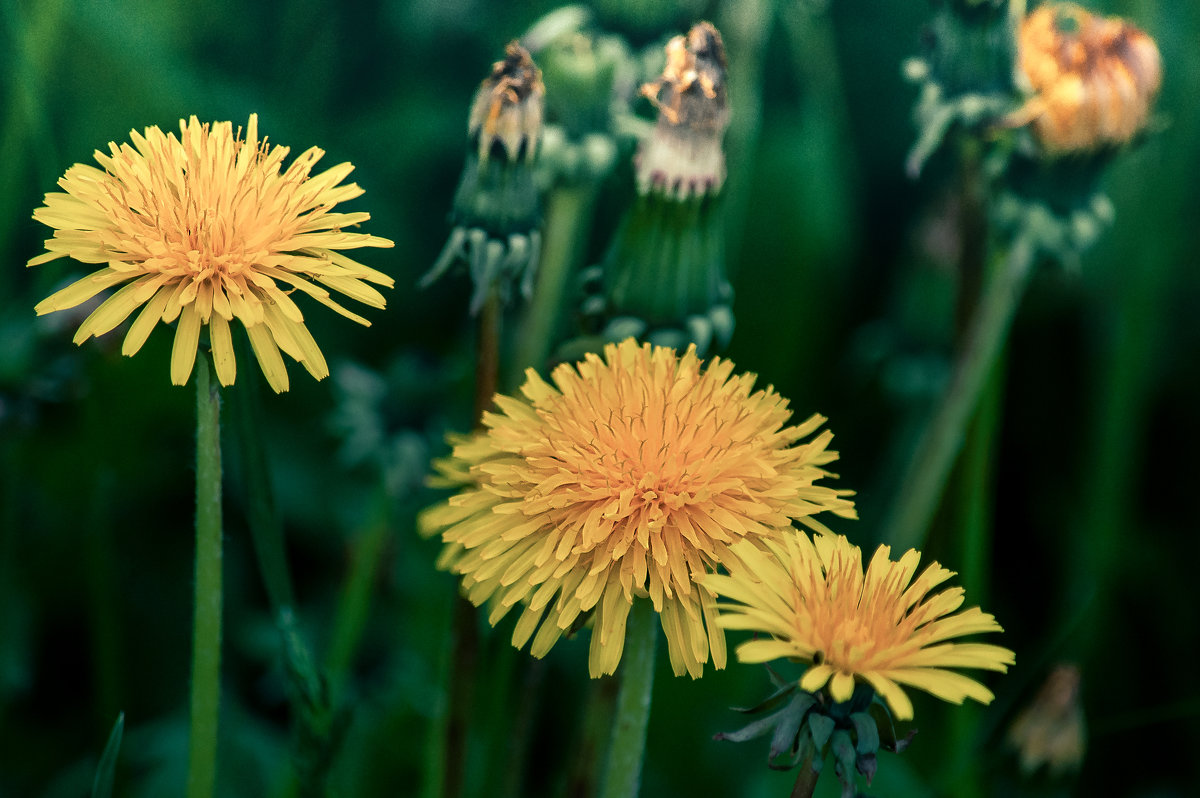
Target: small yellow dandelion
{"x": 812, "y": 598}
{"x": 629, "y": 477}
{"x": 204, "y": 229}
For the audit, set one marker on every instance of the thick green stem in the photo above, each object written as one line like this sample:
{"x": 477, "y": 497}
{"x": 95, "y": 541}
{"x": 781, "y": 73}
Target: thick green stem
{"x": 806, "y": 781}
{"x": 355, "y": 604}
{"x": 206, "y": 639}
{"x": 924, "y": 479}
{"x": 624, "y": 770}
{"x": 465, "y": 654}
{"x": 568, "y": 220}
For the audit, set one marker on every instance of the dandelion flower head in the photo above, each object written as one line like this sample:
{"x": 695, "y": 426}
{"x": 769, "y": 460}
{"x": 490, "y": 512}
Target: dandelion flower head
{"x": 1094, "y": 78}
{"x": 204, "y": 229}
{"x": 882, "y": 627}
{"x": 627, "y": 478}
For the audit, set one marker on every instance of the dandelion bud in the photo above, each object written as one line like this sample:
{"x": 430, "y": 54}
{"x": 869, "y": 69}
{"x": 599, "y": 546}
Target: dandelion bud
{"x": 684, "y": 157}
{"x": 496, "y": 213}
{"x": 1093, "y": 79}
{"x": 1050, "y": 731}
{"x": 588, "y": 77}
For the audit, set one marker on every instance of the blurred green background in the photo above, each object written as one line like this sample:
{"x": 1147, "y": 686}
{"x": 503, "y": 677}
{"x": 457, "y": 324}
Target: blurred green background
{"x": 844, "y": 273}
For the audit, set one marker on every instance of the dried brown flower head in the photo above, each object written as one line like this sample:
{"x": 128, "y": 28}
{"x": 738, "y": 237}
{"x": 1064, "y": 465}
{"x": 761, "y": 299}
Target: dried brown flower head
{"x": 1094, "y": 79}
{"x": 1050, "y": 731}
{"x": 684, "y": 156}
{"x": 507, "y": 109}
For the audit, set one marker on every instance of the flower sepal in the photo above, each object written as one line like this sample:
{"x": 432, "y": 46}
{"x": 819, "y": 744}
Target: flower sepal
{"x": 807, "y": 727}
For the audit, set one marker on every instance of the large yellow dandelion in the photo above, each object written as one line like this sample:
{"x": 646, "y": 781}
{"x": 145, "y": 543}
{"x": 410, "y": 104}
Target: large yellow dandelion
{"x": 628, "y": 478}
{"x": 882, "y": 628}
{"x": 204, "y": 229}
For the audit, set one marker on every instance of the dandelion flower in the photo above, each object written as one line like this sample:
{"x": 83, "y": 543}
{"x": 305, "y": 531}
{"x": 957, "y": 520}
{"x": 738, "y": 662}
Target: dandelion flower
{"x": 204, "y": 229}
{"x": 882, "y": 628}
{"x": 628, "y": 477}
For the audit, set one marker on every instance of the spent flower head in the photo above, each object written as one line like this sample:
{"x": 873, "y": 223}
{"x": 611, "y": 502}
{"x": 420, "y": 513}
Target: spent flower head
{"x": 204, "y": 229}
{"x": 1092, "y": 80}
{"x": 496, "y": 213}
{"x": 881, "y": 627}
{"x": 624, "y": 481}
{"x": 1051, "y": 730}
{"x": 663, "y": 279}
{"x": 684, "y": 156}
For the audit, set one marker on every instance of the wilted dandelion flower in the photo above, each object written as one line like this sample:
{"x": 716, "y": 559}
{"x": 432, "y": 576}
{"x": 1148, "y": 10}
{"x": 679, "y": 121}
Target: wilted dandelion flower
{"x": 684, "y": 155}
{"x": 204, "y": 229}
{"x": 627, "y": 478}
{"x": 1093, "y": 79}
{"x": 663, "y": 279}
{"x": 1051, "y": 730}
{"x": 496, "y": 214}
{"x": 881, "y": 628}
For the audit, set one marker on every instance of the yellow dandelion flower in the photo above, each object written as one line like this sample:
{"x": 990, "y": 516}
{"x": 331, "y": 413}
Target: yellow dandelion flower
{"x": 629, "y": 477}
{"x": 813, "y": 599}
{"x": 204, "y": 229}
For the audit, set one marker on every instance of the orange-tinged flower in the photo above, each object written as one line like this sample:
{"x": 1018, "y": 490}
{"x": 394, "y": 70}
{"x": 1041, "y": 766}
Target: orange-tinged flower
{"x": 204, "y": 229}
{"x": 627, "y": 478}
{"x": 1094, "y": 79}
{"x": 881, "y": 627}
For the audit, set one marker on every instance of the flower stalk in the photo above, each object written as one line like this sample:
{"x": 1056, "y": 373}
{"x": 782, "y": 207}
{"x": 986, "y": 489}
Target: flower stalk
{"x": 806, "y": 780}
{"x": 568, "y": 217}
{"x": 206, "y": 639}
{"x": 924, "y": 478}
{"x": 624, "y": 770}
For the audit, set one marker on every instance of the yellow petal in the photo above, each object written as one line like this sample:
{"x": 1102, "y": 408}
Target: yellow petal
{"x": 187, "y": 339}
{"x": 222, "y": 350}
{"x": 268, "y": 357}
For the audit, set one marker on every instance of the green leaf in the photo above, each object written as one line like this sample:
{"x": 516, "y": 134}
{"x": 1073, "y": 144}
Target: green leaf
{"x": 102, "y": 784}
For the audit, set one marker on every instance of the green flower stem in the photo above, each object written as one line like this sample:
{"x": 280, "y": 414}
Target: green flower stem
{"x": 624, "y": 770}
{"x": 355, "y": 604}
{"x": 941, "y": 441}
{"x": 806, "y": 781}
{"x": 487, "y": 354}
{"x": 465, "y": 652}
{"x": 745, "y": 27}
{"x": 266, "y": 527}
{"x": 206, "y": 639}
{"x": 568, "y": 220}
{"x": 594, "y": 731}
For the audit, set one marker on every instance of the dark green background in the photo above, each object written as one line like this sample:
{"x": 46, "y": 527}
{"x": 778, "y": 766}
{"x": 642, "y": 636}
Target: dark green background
{"x": 844, "y": 298}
